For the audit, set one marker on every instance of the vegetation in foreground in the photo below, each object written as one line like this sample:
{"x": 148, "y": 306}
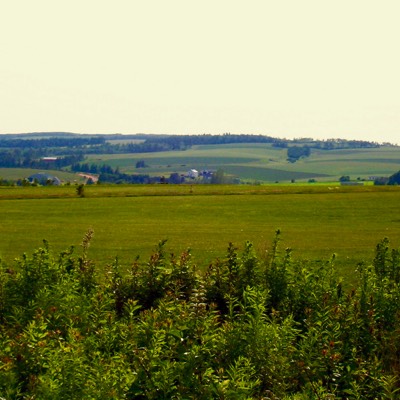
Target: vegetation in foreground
{"x": 249, "y": 328}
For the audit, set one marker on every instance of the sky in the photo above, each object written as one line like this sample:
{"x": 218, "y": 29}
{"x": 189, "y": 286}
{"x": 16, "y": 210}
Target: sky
{"x": 289, "y": 68}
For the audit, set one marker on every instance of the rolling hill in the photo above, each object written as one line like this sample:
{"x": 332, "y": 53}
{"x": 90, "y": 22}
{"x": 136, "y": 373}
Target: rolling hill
{"x": 262, "y": 162}
{"x": 248, "y": 158}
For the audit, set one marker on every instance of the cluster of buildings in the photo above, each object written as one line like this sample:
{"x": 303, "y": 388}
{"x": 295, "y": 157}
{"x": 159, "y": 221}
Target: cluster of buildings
{"x": 193, "y": 173}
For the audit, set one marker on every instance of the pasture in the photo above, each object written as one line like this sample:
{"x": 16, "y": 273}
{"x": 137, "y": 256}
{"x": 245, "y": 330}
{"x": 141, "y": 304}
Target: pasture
{"x": 129, "y": 221}
{"x": 23, "y": 173}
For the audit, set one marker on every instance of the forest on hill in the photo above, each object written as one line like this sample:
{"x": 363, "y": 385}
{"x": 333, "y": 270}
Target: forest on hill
{"x": 153, "y": 142}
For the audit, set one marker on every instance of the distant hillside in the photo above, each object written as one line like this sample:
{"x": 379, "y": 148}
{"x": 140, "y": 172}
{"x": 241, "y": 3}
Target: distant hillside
{"x": 157, "y": 158}
{"x": 263, "y": 162}
{"x": 176, "y": 142}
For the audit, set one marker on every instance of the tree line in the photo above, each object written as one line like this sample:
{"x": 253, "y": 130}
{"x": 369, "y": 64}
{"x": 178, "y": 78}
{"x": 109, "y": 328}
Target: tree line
{"x": 34, "y": 158}
{"x": 108, "y": 174}
{"x": 388, "y": 180}
{"x": 100, "y": 144}
{"x": 41, "y": 143}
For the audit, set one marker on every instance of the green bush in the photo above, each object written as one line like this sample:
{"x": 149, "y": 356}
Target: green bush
{"x": 249, "y": 328}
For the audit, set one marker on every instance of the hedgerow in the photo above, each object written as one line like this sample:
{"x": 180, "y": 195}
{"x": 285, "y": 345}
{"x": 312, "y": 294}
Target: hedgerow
{"x": 250, "y": 327}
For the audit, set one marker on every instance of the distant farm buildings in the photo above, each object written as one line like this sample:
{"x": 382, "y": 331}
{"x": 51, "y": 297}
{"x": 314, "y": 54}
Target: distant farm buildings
{"x": 49, "y": 159}
{"x": 204, "y": 175}
{"x": 44, "y": 179}
{"x": 193, "y": 173}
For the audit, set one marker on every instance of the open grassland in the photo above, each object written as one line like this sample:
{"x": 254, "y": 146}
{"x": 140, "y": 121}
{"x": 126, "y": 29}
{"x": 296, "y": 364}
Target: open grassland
{"x": 128, "y": 221}
{"x": 362, "y": 163}
{"x": 262, "y": 162}
{"x": 23, "y": 173}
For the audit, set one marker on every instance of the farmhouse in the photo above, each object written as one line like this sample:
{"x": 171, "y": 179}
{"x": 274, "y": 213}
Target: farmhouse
{"x": 193, "y": 173}
{"x": 48, "y": 159}
{"x": 44, "y": 179}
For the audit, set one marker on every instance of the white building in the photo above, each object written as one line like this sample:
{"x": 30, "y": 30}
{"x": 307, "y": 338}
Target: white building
{"x": 193, "y": 173}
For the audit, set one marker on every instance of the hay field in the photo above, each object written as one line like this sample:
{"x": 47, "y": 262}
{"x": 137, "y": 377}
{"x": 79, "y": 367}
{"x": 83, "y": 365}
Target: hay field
{"x": 129, "y": 221}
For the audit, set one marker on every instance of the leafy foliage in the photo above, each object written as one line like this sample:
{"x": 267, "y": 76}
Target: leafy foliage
{"x": 394, "y": 179}
{"x": 296, "y": 152}
{"x": 250, "y": 328}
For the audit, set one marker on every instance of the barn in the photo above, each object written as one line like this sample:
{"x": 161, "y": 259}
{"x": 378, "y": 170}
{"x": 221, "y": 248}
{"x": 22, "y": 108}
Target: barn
{"x": 193, "y": 173}
{"x": 43, "y": 179}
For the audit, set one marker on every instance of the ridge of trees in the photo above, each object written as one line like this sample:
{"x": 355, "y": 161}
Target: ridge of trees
{"x": 34, "y": 158}
{"x": 25, "y": 151}
{"x": 153, "y": 143}
{"x": 51, "y": 142}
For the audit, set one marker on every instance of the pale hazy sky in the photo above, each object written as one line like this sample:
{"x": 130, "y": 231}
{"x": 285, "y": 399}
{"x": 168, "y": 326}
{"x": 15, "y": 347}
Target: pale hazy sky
{"x": 285, "y": 68}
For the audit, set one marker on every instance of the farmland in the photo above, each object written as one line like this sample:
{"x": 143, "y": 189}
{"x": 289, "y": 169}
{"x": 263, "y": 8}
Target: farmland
{"x": 242, "y": 158}
{"x": 262, "y": 162}
{"x": 129, "y": 221}
{"x": 23, "y": 173}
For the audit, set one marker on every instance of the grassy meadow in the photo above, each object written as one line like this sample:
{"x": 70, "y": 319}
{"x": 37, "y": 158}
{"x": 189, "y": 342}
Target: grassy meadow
{"x": 24, "y": 173}
{"x": 128, "y": 221}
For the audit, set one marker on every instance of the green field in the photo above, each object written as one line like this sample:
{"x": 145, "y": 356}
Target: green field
{"x": 24, "y": 173}
{"x": 262, "y": 162}
{"x": 128, "y": 221}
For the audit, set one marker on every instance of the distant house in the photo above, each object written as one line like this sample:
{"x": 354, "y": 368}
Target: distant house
{"x": 193, "y": 173}
{"x": 43, "y": 179}
{"x": 49, "y": 159}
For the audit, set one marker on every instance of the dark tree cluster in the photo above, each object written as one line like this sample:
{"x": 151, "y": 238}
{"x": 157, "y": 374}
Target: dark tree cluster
{"x": 141, "y": 164}
{"x": 391, "y": 180}
{"x": 182, "y": 142}
{"x": 34, "y": 158}
{"x": 5, "y": 182}
{"x": 118, "y": 177}
{"x": 296, "y": 152}
{"x": 335, "y": 144}
{"x": 93, "y": 168}
{"x": 51, "y": 142}
{"x": 394, "y": 179}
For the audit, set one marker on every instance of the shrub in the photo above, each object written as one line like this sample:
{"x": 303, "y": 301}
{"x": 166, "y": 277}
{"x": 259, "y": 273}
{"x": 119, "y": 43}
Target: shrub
{"x": 248, "y": 328}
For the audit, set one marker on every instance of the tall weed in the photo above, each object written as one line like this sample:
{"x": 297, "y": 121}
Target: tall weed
{"x": 251, "y": 327}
